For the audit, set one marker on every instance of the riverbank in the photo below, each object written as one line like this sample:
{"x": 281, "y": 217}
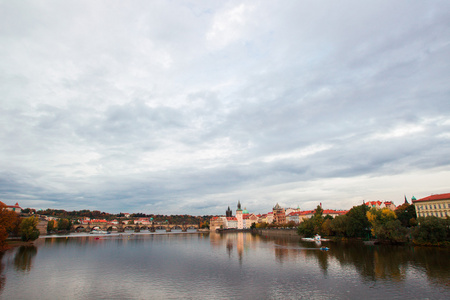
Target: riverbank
{"x": 13, "y": 243}
{"x": 274, "y": 232}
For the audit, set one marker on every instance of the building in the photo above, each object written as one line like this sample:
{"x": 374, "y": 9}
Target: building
{"x": 231, "y": 222}
{"x": 334, "y": 213}
{"x": 279, "y": 215}
{"x": 217, "y": 223}
{"x": 229, "y": 213}
{"x": 434, "y": 205}
{"x": 249, "y": 219}
{"x": 15, "y": 208}
{"x": 239, "y": 216}
{"x": 293, "y": 217}
{"x": 380, "y": 204}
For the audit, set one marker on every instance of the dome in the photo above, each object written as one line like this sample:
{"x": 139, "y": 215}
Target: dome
{"x": 245, "y": 211}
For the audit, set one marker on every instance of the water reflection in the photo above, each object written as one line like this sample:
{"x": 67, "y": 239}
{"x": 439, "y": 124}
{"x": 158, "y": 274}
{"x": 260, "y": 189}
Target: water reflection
{"x": 23, "y": 260}
{"x": 2, "y": 276}
{"x": 372, "y": 263}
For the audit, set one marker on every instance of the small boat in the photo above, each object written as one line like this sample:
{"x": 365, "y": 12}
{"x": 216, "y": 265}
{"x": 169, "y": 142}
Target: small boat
{"x": 324, "y": 248}
{"x": 95, "y": 231}
{"x": 316, "y": 238}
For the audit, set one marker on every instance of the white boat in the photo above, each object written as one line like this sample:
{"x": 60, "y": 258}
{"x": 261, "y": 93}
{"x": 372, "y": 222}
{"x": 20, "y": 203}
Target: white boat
{"x": 95, "y": 231}
{"x": 316, "y": 238}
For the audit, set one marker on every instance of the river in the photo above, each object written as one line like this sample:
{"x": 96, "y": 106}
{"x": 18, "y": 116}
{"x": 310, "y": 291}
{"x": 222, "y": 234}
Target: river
{"x": 212, "y": 266}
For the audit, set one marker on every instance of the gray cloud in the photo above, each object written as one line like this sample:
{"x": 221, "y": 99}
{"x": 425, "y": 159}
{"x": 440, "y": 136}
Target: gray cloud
{"x": 188, "y": 107}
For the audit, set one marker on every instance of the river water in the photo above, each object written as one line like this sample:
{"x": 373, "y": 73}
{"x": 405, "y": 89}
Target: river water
{"x": 213, "y": 266}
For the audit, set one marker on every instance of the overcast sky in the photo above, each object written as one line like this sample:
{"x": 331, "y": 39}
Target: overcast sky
{"x": 186, "y": 107}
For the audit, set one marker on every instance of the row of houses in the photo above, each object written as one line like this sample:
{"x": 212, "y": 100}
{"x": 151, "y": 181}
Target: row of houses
{"x": 278, "y": 215}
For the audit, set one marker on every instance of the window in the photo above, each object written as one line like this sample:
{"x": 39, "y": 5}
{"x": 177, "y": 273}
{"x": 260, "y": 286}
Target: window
{"x": 435, "y": 206}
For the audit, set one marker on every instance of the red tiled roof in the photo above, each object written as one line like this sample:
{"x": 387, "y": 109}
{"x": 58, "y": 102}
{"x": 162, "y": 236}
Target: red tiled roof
{"x": 434, "y": 197}
{"x": 231, "y": 219}
{"x": 373, "y": 203}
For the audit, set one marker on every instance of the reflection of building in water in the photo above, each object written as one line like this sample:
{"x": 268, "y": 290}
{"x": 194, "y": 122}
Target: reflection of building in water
{"x": 434, "y": 205}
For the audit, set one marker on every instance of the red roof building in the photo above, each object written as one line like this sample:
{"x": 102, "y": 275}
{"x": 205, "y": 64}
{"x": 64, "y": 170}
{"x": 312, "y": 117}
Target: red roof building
{"x": 434, "y": 205}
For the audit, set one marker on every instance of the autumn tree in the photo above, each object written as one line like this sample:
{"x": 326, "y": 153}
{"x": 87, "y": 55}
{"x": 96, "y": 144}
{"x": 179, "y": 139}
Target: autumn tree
{"x": 385, "y": 225}
{"x": 8, "y": 222}
{"x": 51, "y": 225}
{"x": 28, "y": 229}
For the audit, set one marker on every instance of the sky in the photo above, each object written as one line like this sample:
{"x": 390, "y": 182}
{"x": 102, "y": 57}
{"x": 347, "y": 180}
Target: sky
{"x": 187, "y": 107}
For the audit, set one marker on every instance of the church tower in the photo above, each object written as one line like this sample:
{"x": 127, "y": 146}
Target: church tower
{"x": 229, "y": 212}
{"x": 239, "y": 216}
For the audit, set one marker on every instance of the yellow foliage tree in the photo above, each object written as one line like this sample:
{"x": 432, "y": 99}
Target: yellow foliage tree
{"x": 385, "y": 225}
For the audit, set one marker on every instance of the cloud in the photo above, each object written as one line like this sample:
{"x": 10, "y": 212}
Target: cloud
{"x": 188, "y": 107}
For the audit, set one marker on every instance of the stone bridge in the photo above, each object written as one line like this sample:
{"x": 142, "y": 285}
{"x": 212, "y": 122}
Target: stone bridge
{"x": 134, "y": 227}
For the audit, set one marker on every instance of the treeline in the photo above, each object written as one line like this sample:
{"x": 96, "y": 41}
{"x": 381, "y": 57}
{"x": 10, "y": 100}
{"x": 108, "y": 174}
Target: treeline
{"x": 385, "y": 225}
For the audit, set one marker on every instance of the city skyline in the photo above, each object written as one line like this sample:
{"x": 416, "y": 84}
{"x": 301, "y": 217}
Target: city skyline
{"x": 185, "y": 107}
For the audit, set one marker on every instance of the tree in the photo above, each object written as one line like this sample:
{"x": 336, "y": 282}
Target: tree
{"x": 8, "y": 223}
{"x": 405, "y": 214}
{"x": 339, "y": 225}
{"x": 385, "y": 225}
{"x": 51, "y": 225}
{"x": 358, "y": 225}
{"x": 64, "y": 224}
{"x": 28, "y": 228}
{"x": 313, "y": 225}
{"x": 432, "y": 230}
{"x": 261, "y": 225}
{"x": 306, "y": 228}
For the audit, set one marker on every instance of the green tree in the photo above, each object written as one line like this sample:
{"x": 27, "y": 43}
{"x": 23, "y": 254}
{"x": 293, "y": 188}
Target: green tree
{"x": 28, "y": 228}
{"x": 313, "y": 225}
{"x": 261, "y": 225}
{"x": 405, "y": 213}
{"x": 306, "y": 228}
{"x": 339, "y": 225}
{"x": 432, "y": 230}
{"x": 51, "y": 225}
{"x": 64, "y": 224}
{"x": 358, "y": 225}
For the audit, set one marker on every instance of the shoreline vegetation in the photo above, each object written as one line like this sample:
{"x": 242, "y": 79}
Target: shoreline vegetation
{"x": 292, "y": 233}
{"x": 13, "y": 243}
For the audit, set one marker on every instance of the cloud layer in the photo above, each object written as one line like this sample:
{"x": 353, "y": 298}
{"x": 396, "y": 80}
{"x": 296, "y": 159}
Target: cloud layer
{"x": 187, "y": 107}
